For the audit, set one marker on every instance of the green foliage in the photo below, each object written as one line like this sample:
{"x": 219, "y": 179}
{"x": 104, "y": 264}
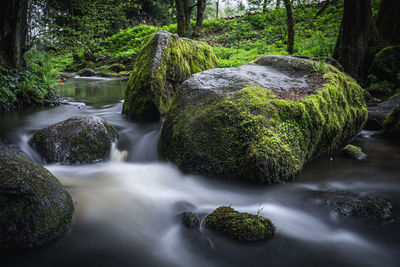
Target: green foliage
{"x": 31, "y": 86}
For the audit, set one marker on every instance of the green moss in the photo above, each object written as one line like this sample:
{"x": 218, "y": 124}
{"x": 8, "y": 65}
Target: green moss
{"x": 354, "y": 152}
{"x": 392, "y": 125}
{"x": 164, "y": 61}
{"x": 252, "y": 135}
{"x": 241, "y": 226}
{"x": 190, "y": 219}
{"x": 386, "y": 64}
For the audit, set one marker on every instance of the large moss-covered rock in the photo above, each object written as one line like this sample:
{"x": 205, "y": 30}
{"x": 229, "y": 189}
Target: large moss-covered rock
{"x": 34, "y": 206}
{"x": 89, "y": 72}
{"x": 238, "y": 225}
{"x": 78, "y": 140}
{"x": 262, "y": 121}
{"x": 392, "y": 125}
{"x": 377, "y": 114}
{"x": 163, "y": 63}
{"x": 386, "y": 64}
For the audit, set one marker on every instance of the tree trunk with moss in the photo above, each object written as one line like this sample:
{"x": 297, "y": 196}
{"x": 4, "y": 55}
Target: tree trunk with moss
{"x": 183, "y": 17}
{"x": 357, "y": 40}
{"x": 388, "y": 22}
{"x": 13, "y": 33}
{"x": 201, "y": 7}
{"x": 290, "y": 24}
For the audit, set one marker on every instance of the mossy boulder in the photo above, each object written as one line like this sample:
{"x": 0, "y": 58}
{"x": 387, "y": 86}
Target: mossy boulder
{"x": 392, "y": 125}
{"x": 88, "y": 72}
{"x": 117, "y": 67}
{"x": 78, "y": 140}
{"x": 238, "y": 225}
{"x": 386, "y": 64}
{"x": 354, "y": 152}
{"x": 163, "y": 63}
{"x": 262, "y": 121}
{"x": 34, "y": 207}
{"x": 377, "y": 114}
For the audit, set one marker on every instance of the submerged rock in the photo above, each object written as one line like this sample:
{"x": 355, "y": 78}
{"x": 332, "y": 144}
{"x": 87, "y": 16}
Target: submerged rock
{"x": 377, "y": 114}
{"x": 392, "y": 125}
{"x": 262, "y": 121}
{"x": 190, "y": 219}
{"x": 78, "y": 140}
{"x": 163, "y": 63}
{"x": 86, "y": 72}
{"x": 354, "y": 152}
{"x": 34, "y": 207}
{"x": 370, "y": 208}
{"x": 238, "y": 225}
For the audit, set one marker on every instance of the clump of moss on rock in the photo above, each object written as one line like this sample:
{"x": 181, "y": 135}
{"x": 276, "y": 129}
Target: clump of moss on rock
{"x": 233, "y": 123}
{"x": 354, "y": 152}
{"x": 78, "y": 140}
{"x": 163, "y": 63}
{"x": 34, "y": 207}
{"x": 386, "y": 64}
{"x": 238, "y": 225}
{"x": 392, "y": 125}
{"x": 190, "y": 219}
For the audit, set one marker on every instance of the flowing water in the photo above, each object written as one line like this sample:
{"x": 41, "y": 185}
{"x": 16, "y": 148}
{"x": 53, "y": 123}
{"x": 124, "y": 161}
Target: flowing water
{"x": 127, "y": 209}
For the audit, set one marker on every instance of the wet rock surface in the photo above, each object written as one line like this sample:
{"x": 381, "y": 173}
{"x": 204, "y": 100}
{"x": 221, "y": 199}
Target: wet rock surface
{"x": 86, "y": 72}
{"x": 354, "y": 152}
{"x": 262, "y": 121}
{"x": 78, "y": 140}
{"x": 238, "y": 225}
{"x": 377, "y": 114}
{"x": 34, "y": 207}
{"x": 365, "y": 207}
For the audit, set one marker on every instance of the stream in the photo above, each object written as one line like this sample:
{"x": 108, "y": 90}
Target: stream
{"x": 127, "y": 209}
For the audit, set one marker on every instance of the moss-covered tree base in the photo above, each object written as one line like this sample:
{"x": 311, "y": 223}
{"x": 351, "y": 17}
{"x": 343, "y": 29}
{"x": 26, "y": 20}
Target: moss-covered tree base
{"x": 234, "y": 123}
{"x": 163, "y": 63}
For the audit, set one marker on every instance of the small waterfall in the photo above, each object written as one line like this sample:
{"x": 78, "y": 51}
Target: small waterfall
{"x": 32, "y": 153}
{"x": 117, "y": 155}
{"x": 145, "y": 149}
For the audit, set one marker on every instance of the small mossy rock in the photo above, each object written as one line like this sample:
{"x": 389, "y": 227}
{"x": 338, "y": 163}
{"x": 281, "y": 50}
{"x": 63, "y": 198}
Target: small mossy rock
{"x": 78, "y": 140}
{"x": 354, "y": 152}
{"x": 369, "y": 208}
{"x": 377, "y": 114}
{"x": 232, "y": 122}
{"x": 109, "y": 73}
{"x": 163, "y": 63}
{"x": 190, "y": 219}
{"x": 88, "y": 72}
{"x": 117, "y": 67}
{"x": 386, "y": 64}
{"x": 392, "y": 125}
{"x": 238, "y": 225}
{"x": 34, "y": 207}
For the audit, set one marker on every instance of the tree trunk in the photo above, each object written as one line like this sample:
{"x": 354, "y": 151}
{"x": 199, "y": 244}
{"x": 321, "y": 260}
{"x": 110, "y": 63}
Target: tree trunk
{"x": 357, "y": 40}
{"x": 13, "y": 33}
{"x": 201, "y": 6}
{"x": 217, "y": 9}
{"x": 388, "y": 22}
{"x": 183, "y": 17}
{"x": 290, "y": 24}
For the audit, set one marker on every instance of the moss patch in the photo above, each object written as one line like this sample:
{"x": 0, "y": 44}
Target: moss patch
{"x": 241, "y": 226}
{"x": 163, "y": 63}
{"x": 354, "y": 152}
{"x": 392, "y": 125}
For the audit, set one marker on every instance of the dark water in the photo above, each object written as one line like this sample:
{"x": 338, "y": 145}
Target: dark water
{"x": 127, "y": 208}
